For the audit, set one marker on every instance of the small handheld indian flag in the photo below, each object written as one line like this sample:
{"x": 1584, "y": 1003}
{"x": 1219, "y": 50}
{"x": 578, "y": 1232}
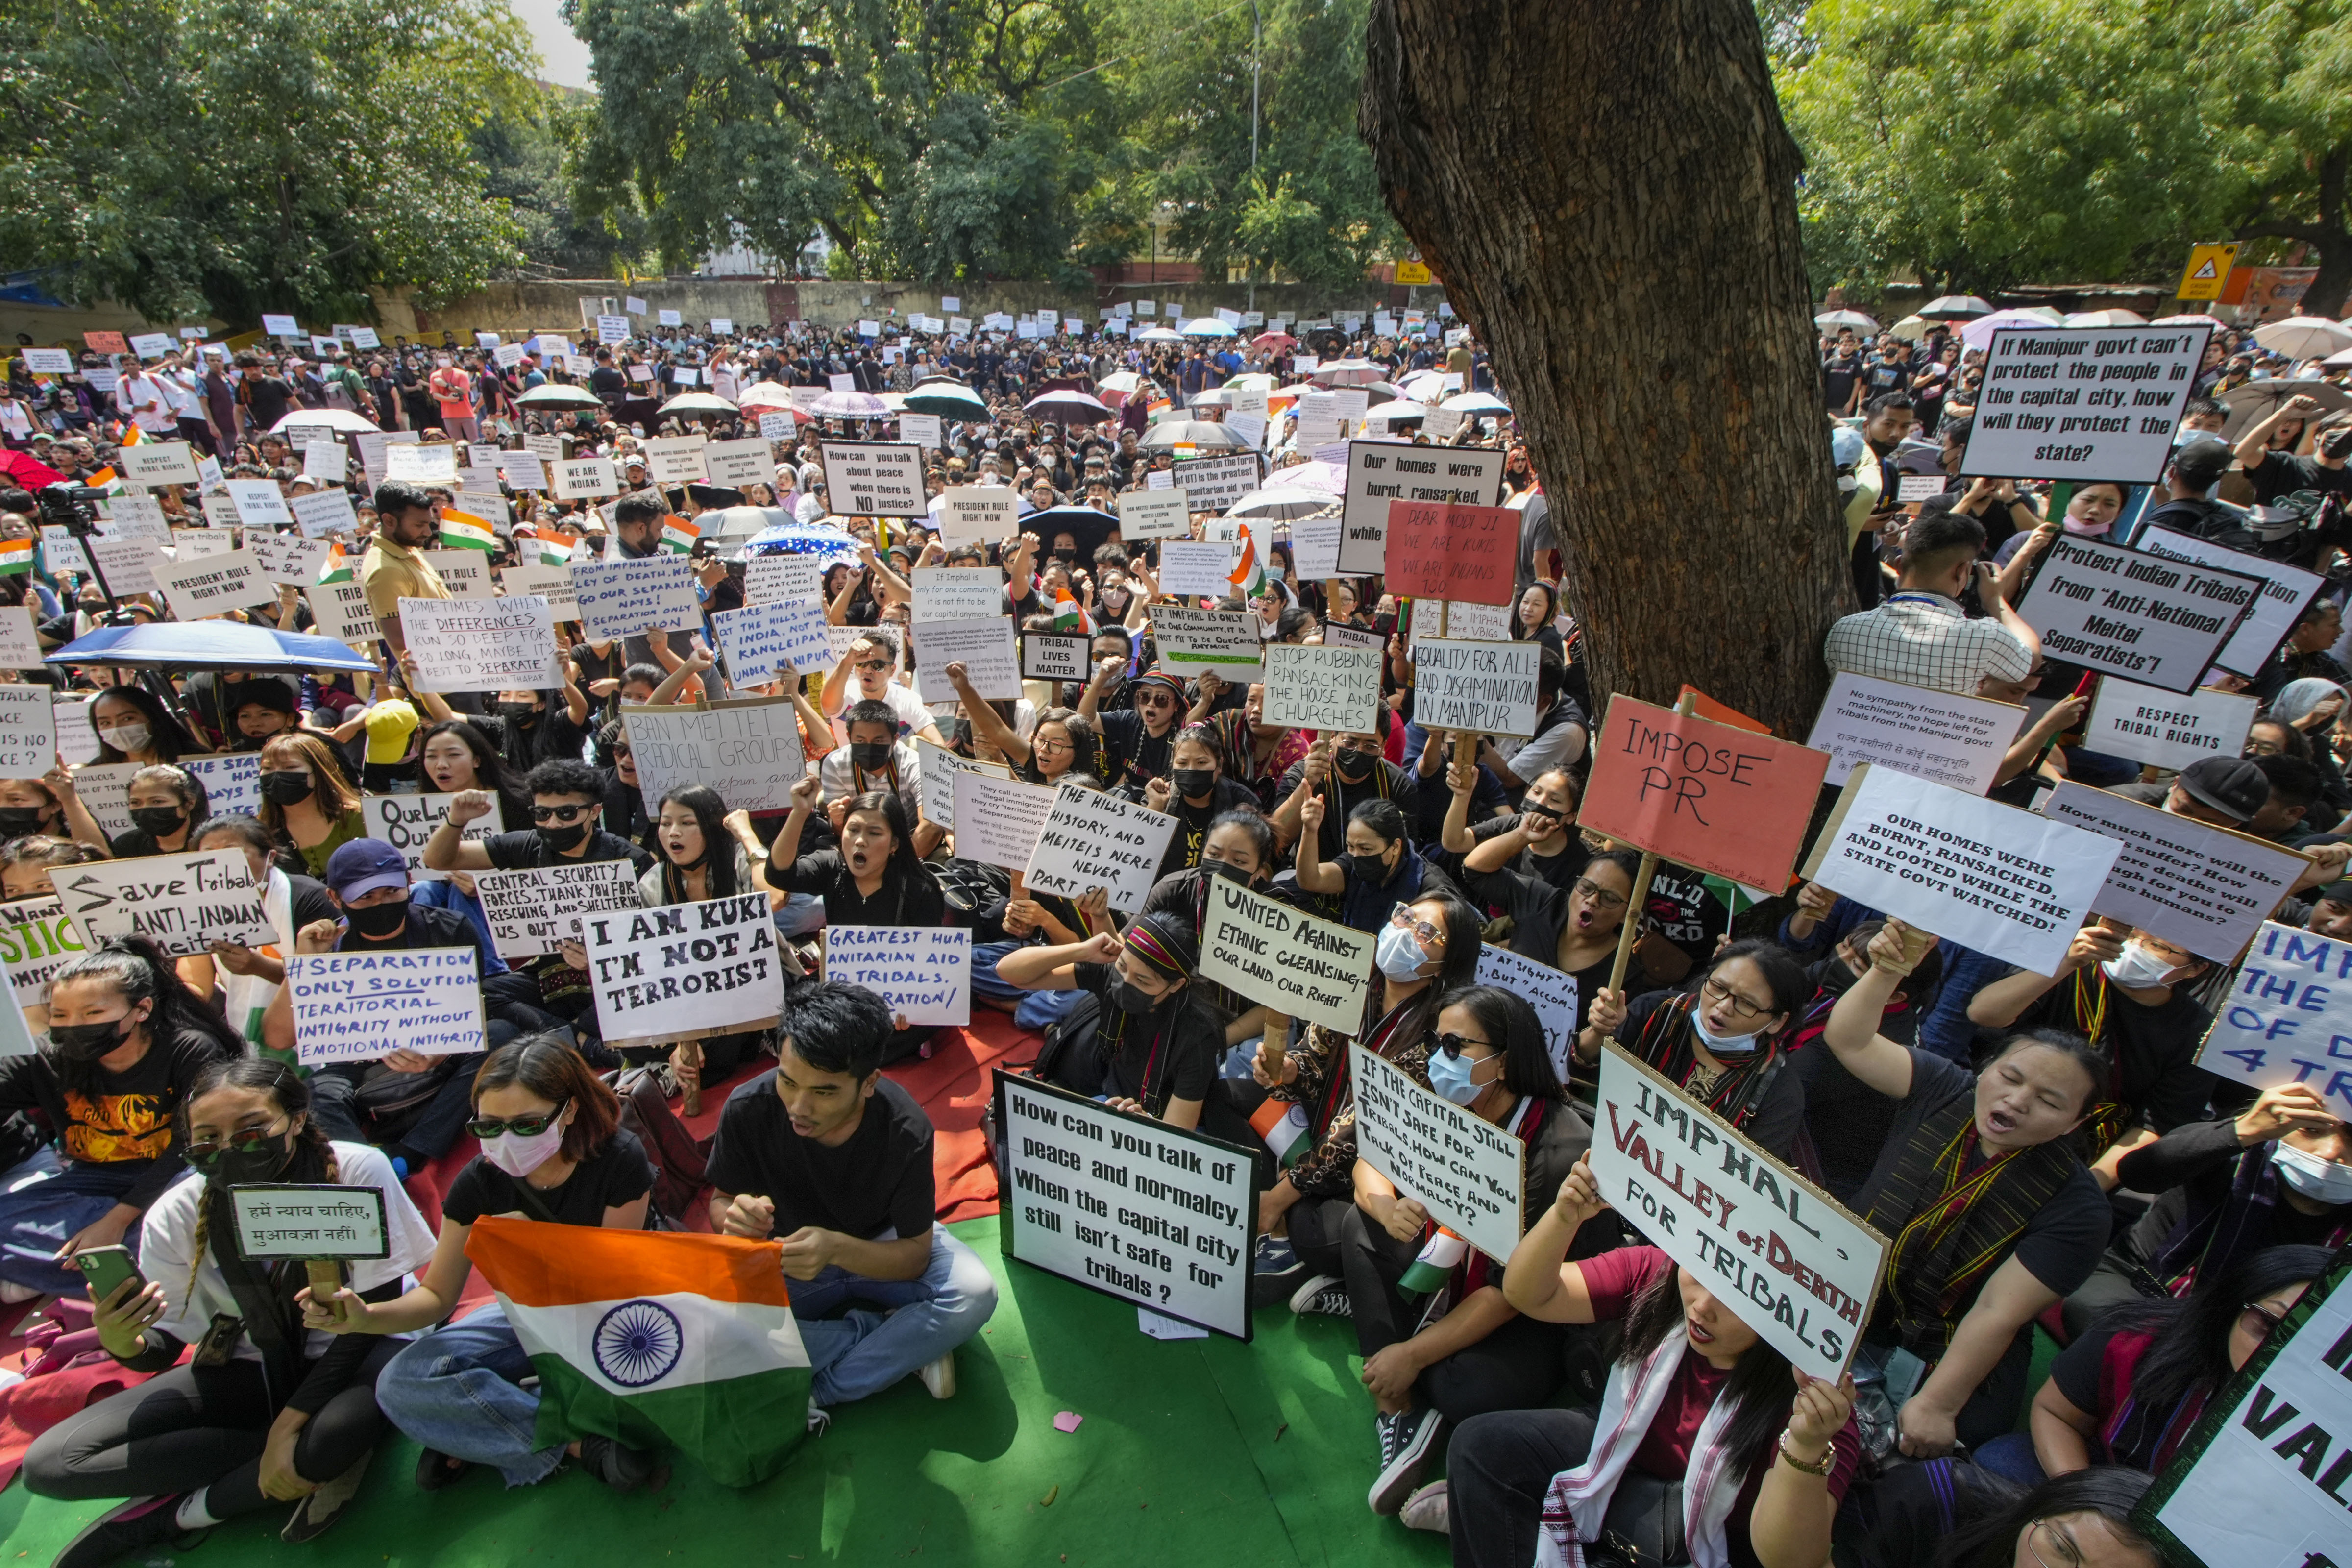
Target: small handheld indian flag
{"x": 646, "y": 1336}
{"x": 555, "y": 546}
{"x": 678, "y": 534}
{"x": 464, "y": 530}
{"x": 16, "y": 556}
{"x": 1283, "y": 1127}
{"x": 1248, "y": 576}
{"x": 1068, "y": 614}
{"x": 336, "y": 567}
{"x": 1438, "y": 1256}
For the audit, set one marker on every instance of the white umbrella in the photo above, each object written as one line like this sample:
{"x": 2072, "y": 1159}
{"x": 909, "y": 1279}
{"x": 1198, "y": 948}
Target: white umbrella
{"x": 1422, "y": 385}
{"x": 1978, "y": 335}
{"x": 2341, "y": 357}
{"x": 2194, "y": 318}
{"x": 764, "y": 394}
{"x": 1207, "y": 327}
{"x": 1159, "y": 335}
{"x": 1280, "y": 503}
{"x": 1475, "y": 402}
{"x": 1348, "y": 372}
{"x": 1123, "y": 382}
{"x": 1396, "y": 413}
{"x": 697, "y": 402}
{"x": 2054, "y": 318}
{"x": 1215, "y": 398}
{"x": 2304, "y": 337}
{"x": 1956, "y": 307}
{"x": 850, "y": 405}
{"x": 1316, "y": 475}
{"x": 1251, "y": 381}
{"x": 342, "y": 421}
{"x": 1853, "y": 318}
{"x": 2107, "y": 319}
{"x": 1911, "y": 329}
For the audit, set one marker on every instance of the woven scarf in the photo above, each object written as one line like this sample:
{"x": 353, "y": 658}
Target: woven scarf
{"x": 1952, "y": 1227}
{"x": 1576, "y": 1504}
{"x": 1401, "y": 1025}
{"x": 2211, "y": 1239}
{"x": 2110, "y": 1118}
{"x": 1665, "y": 1044}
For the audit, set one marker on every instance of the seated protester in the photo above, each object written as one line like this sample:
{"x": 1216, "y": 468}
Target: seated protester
{"x": 1429, "y": 949}
{"x": 863, "y": 675}
{"x": 1487, "y": 799}
{"x": 308, "y": 807}
{"x": 456, "y": 754}
{"x": 1696, "y": 1439}
{"x": 1136, "y": 742}
{"x": 1994, "y": 1216}
{"x": 2285, "y": 817}
{"x": 134, "y": 726}
{"x": 1379, "y": 870}
{"x": 2279, "y": 1174}
{"x": 876, "y": 758}
{"x": 2127, "y": 1390}
{"x": 1470, "y": 1353}
{"x": 1058, "y": 744}
{"x": 624, "y": 803}
{"x": 26, "y": 864}
{"x": 1543, "y": 844}
{"x": 384, "y": 732}
{"x": 532, "y": 727}
{"x": 553, "y": 1151}
{"x": 258, "y": 711}
{"x": 834, "y": 1159}
{"x": 423, "y": 1096}
{"x": 125, "y": 1041}
{"x": 286, "y": 1414}
{"x": 705, "y": 854}
{"x": 1573, "y": 929}
{"x": 1027, "y": 919}
{"x": 1720, "y": 1041}
{"x": 1112, "y": 646}
{"x": 2128, "y": 993}
{"x": 1823, "y": 920}
{"x": 1195, "y": 792}
{"x": 1240, "y": 845}
{"x": 167, "y": 805}
{"x": 31, "y": 808}
{"x": 1344, "y": 771}
{"x": 565, "y": 798}
{"x": 250, "y": 976}
{"x": 1255, "y": 753}
{"x": 1847, "y": 1121}
{"x": 1151, "y": 1041}
{"x": 1949, "y": 1514}
{"x": 1561, "y": 732}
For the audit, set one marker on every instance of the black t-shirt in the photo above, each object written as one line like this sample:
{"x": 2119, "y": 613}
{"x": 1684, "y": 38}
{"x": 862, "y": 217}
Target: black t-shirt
{"x": 2284, "y": 473}
{"x": 525, "y": 851}
{"x": 1154, "y": 1058}
{"x": 309, "y": 900}
{"x": 904, "y": 898}
{"x": 129, "y": 1124}
{"x": 430, "y": 927}
{"x": 1777, "y": 1116}
{"x": 1559, "y": 870}
{"x": 2154, "y": 1049}
{"x": 1191, "y": 833}
{"x": 616, "y": 1174}
{"x": 1838, "y": 376}
{"x": 878, "y": 1183}
{"x": 1135, "y": 754}
{"x": 1688, "y": 914}
{"x": 1341, "y": 796}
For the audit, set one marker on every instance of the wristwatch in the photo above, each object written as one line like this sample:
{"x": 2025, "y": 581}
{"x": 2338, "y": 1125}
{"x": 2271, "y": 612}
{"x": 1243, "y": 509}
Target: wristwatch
{"x": 1820, "y": 1466}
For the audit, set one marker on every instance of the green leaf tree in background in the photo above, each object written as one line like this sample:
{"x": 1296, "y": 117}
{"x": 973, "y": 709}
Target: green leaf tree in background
{"x": 235, "y": 156}
{"x": 525, "y": 157}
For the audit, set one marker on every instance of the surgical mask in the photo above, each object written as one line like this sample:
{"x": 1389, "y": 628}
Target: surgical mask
{"x": 2078, "y": 527}
{"x": 2324, "y": 1181}
{"x": 2136, "y": 968}
{"x": 1453, "y": 1078}
{"x": 516, "y": 712}
{"x": 88, "y": 1042}
{"x": 1193, "y": 781}
{"x": 1399, "y": 954}
{"x": 158, "y": 820}
{"x": 376, "y": 920}
{"x": 870, "y": 755}
{"x": 1351, "y": 765}
{"x": 562, "y": 838}
{"x": 128, "y": 737}
{"x": 519, "y": 1156}
{"x": 15, "y": 821}
{"x": 1133, "y": 998}
{"x": 286, "y": 785}
{"x": 1722, "y": 1045}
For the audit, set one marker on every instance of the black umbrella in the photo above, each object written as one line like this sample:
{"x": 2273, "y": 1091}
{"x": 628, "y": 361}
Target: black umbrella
{"x": 1086, "y": 527}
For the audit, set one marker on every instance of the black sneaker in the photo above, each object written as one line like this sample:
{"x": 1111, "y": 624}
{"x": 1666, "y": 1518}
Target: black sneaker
{"x": 1406, "y": 1439}
{"x": 1277, "y": 1273}
{"x": 123, "y": 1530}
{"x": 1321, "y": 1294}
{"x": 621, "y": 1468}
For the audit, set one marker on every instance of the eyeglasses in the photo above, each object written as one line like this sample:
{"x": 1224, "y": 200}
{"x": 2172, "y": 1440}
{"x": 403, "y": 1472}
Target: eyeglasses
{"x": 243, "y": 1141}
{"x": 2257, "y": 1321}
{"x": 488, "y": 1127}
{"x": 1422, "y": 932}
{"x": 1741, "y": 1007}
{"x": 2068, "y": 1554}
{"x": 559, "y": 812}
{"x": 1051, "y": 745}
{"x": 1454, "y": 1045}
{"x": 1599, "y": 896}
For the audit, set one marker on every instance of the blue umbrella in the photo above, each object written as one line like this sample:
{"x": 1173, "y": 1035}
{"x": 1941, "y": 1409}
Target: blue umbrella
{"x": 210, "y": 644}
{"x": 802, "y": 539}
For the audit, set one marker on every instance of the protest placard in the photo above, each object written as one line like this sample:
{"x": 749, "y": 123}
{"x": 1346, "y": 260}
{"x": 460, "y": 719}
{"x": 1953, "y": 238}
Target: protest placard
{"x": 735, "y": 464}
{"x": 1135, "y": 1208}
{"x": 1456, "y": 1165}
{"x": 2003, "y": 882}
{"x": 324, "y": 512}
{"x": 105, "y": 789}
{"x": 1461, "y": 621}
{"x": 978, "y": 515}
{"x": 19, "y": 647}
{"x": 938, "y": 769}
{"x": 2082, "y": 403}
{"x": 1551, "y": 992}
{"x": 1705, "y": 795}
{"x": 1315, "y": 547}
{"x": 583, "y": 478}
{"x": 629, "y": 597}
{"x": 481, "y": 645}
{"x": 552, "y": 583}
{"x": 1195, "y": 567}
{"x": 2168, "y": 728}
{"x": 361, "y": 1007}
{"x": 2286, "y": 592}
{"x": 1094, "y": 839}
{"x": 2123, "y": 612}
{"x": 1154, "y": 514}
{"x": 187, "y": 902}
{"x": 1193, "y": 642}
{"x": 407, "y": 821}
{"x": 192, "y": 545}
{"x": 997, "y": 819}
{"x": 684, "y": 971}
{"x": 290, "y": 558}
{"x": 1380, "y": 472}
{"x": 1301, "y": 965}
{"x": 769, "y": 578}
{"x": 1213, "y": 484}
{"x": 310, "y": 1224}
{"x": 1048, "y": 655}
{"x": 984, "y": 647}
{"x": 957, "y": 593}
{"x": 259, "y": 503}
{"x": 761, "y": 639}
{"x": 676, "y": 459}
{"x": 159, "y": 463}
{"x": 922, "y": 430}
{"x": 2206, "y": 889}
{"x": 341, "y": 610}
{"x": 232, "y": 781}
{"x": 747, "y": 750}
{"x": 2259, "y": 1480}
{"x": 28, "y": 731}
{"x": 1331, "y": 689}
{"x": 1934, "y": 735}
{"x": 420, "y": 462}
{"x": 534, "y": 911}
{"x": 37, "y": 939}
{"x": 1439, "y": 550}
{"x": 130, "y": 511}
{"x": 2287, "y": 1018}
{"x": 76, "y": 739}
{"x": 214, "y": 586}
{"x": 924, "y": 973}
{"x": 1794, "y": 1263}
{"x": 524, "y": 470}
{"x": 1485, "y": 687}
{"x": 874, "y": 479}
{"x": 1338, "y": 634}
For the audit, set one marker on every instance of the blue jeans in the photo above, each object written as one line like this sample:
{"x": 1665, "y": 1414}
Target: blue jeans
{"x": 863, "y": 1350}
{"x": 37, "y": 1218}
{"x": 2010, "y": 1456}
{"x": 457, "y": 1391}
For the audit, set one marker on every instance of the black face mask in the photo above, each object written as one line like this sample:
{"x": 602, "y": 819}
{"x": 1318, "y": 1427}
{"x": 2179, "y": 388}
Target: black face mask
{"x": 870, "y": 755}
{"x": 560, "y": 838}
{"x": 376, "y": 921}
{"x": 1230, "y": 872}
{"x": 1832, "y": 976}
{"x": 1352, "y": 765}
{"x": 285, "y": 787}
{"x": 1370, "y": 868}
{"x": 159, "y": 820}
{"x": 518, "y": 712}
{"x": 88, "y": 1042}
{"x": 1133, "y": 999}
{"x": 1193, "y": 781}
{"x": 232, "y": 1167}
{"x": 15, "y": 821}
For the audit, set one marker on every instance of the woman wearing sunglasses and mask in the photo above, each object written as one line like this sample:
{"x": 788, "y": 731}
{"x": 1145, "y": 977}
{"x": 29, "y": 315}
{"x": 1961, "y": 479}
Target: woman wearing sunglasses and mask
{"x": 552, "y": 1151}
{"x": 275, "y": 1414}
{"x": 306, "y": 802}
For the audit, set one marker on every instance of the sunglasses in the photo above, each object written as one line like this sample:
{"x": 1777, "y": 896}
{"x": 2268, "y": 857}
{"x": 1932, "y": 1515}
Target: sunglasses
{"x": 559, "y": 812}
{"x": 871, "y": 666}
{"x": 1454, "y": 1045}
{"x": 243, "y": 1141}
{"x": 488, "y": 1127}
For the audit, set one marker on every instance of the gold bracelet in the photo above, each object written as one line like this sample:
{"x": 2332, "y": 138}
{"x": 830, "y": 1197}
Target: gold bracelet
{"x": 1822, "y": 1467}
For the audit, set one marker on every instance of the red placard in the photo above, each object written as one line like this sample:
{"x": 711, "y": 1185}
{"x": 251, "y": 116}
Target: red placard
{"x": 105, "y": 342}
{"x": 1437, "y": 551}
{"x": 1725, "y": 800}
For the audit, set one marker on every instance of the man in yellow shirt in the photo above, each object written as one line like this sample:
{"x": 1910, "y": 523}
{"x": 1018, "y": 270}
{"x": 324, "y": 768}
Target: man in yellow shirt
{"x": 394, "y": 567}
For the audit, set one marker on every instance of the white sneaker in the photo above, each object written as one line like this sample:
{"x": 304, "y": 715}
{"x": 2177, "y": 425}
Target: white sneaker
{"x": 1426, "y": 1509}
{"x": 938, "y": 1376}
{"x": 11, "y": 1292}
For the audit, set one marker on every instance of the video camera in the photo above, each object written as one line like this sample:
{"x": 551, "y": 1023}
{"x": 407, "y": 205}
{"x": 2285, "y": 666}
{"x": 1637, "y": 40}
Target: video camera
{"x": 73, "y": 508}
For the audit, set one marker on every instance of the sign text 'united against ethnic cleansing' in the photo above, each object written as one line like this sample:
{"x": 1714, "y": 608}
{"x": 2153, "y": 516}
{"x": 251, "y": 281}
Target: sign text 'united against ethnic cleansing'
{"x": 1303, "y": 967}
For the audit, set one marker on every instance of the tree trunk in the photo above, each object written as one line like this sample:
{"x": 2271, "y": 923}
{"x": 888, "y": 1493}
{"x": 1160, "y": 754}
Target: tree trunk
{"x": 1609, "y": 195}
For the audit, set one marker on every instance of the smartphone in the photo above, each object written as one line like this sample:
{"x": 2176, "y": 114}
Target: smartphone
{"x": 108, "y": 1266}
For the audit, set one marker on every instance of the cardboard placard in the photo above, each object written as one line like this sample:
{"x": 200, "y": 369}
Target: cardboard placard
{"x": 979, "y": 514}
{"x": 1552, "y": 993}
{"x": 1213, "y": 484}
{"x": 2167, "y": 729}
{"x": 986, "y": 649}
{"x": 997, "y": 819}
{"x": 769, "y": 578}
{"x": 1705, "y": 794}
{"x": 1301, "y": 965}
{"x": 197, "y": 590}
{"x": 1437, "y": 551}
{"x": 187, "y": 902}
{"x": 1959, "y": 742}
{"x": 552, "y": 583}
{"x": 1485, "y": 687}
{"x": 341, "y": 610}
{"x": 1195, "y": 568}
{"x": 2287, "y": 1018}
{"x": 685, "y": 969}
{"x": 749, "y": 750}
{"x": 2082, "y": 403}
{"x": 1329, "y": 688}
{"x": 2203, "y": 888}
{"x": 407, "y": 822}
{"x": 1467, "y": 1172}
{"x": 735, "y": 464}
{"x": 28, "y": 731}
{"x": 159, "y": 463}
{"x": 1093, "y": 839}
{"x": 2286, "y": 592}
{"x": 2125, "y": 612}
{"x": 288, "y": 558}
{"x": 37, "y": 939}
{"x": 421, "y": 463}
{"x": 938, "y": 769}
{"x": 361, "y": 1007}
{"x": 1048, "y": 655}
{"x": 259, "y": 503}
{"x": 924, "y": 973}
{"x": 481, "y": 645}
{"x": 583, "y": 478}
{"x": 956, "y": 593}
{"x": 761, "y": 639}
{"x": 306, "y": 1223}
{"x": 534, "y": 910}
{"x": 1153, "y": 514}
{"x": 232, "y": 780}
{"x": 676, "y": 459}
{"x": 1380, "y": 472}
{"x": 874, "y": 479}
{"x": 1191, "y": 643}
{"x": 631, "y": 598}
{"x": 324, "y": 512}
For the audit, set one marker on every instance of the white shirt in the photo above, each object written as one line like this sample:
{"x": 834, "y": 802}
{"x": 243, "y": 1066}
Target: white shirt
{"x": 142, "y": 397}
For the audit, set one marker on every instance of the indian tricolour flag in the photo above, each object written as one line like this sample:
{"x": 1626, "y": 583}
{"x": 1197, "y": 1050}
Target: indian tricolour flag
{"x": 646, "y": 1336}
{"x": 336, "y": 567}
{"x": 1248, "y": 575}
{"x": 555, "y": 546}
{"x": 16, "y": 556}
{"x": 678, "y": 534}
{"x": 1286, "y": 1131}
{"x": 464, "y": 530}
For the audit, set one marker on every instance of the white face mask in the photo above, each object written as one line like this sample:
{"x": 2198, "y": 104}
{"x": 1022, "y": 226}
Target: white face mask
{"x": 519, "y": 1156}
{"x": 2323, "y": 1181}
{"x": 2136, "y": 968}
{"x": 128, "y": 737}
{"x": 1722, "y": 1045}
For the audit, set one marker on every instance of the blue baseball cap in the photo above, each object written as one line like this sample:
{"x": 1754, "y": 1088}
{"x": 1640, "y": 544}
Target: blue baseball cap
{"x": 364, "y": 866}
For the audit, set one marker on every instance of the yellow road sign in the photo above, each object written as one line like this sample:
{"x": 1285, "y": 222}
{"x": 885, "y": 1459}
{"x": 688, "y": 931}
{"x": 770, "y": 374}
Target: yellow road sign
{"x": 1412, "y": 272}
{"x": 2207, "y": 269}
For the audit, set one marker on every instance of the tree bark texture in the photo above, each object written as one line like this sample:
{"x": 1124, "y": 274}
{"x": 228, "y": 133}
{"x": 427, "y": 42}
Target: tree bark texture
{"x": 1609, "y": 195}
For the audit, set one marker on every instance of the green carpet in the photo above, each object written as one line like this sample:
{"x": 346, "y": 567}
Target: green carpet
{"x": 1199, "y": 1450}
